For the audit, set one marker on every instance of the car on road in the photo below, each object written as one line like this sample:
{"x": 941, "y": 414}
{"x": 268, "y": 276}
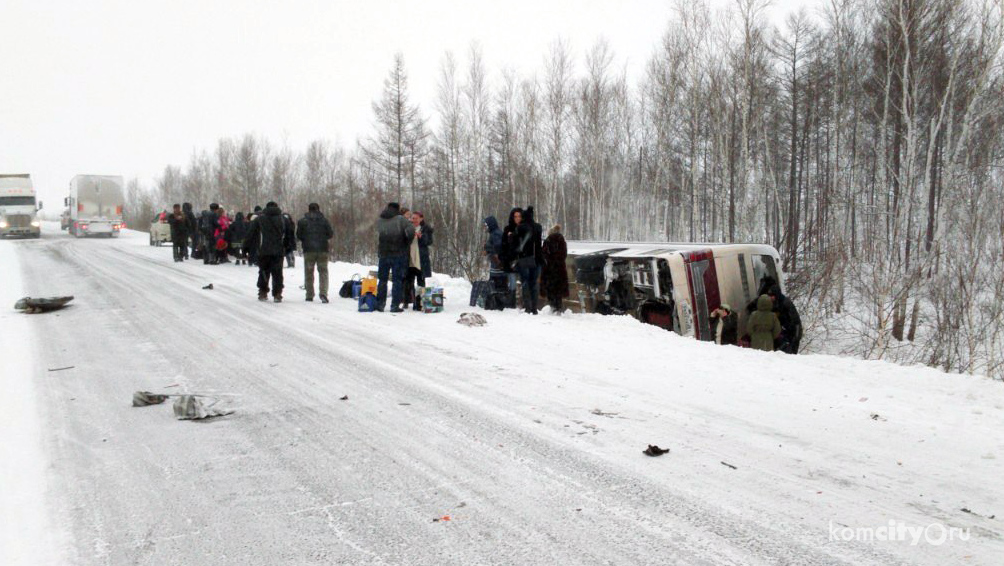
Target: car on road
{"x": 160, "y": 230}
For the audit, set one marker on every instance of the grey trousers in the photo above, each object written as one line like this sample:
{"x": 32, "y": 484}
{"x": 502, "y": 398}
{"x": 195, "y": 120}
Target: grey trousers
{"x": 320, "y": 260}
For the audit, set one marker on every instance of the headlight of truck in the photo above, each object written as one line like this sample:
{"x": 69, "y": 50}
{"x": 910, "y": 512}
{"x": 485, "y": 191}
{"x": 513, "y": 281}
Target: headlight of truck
{"x": 3, "y": 223}
{"x": 36, "y": 223}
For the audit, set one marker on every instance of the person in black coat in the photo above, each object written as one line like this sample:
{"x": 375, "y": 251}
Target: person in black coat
{"x": 527, "y": 251}
{"x": 508, "y": 251}
{"x": 179, "y": 233}
{"x": 554, "y": 278}
{"x": 208, "y": 222}
{"x": 314, "y": 232}
{"x": 236, "y": 234}
{"x": 272, "y": 236}
{"x": 791, "y": 322}
{"x": 725, "y": 325}
{"x": 249, "y": 248}
{"x": 191, "y": 226}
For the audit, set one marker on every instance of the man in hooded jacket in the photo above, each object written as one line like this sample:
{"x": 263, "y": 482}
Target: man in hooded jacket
{"x": 395, "y": 234}
{"x": 272, "y": 236}
{"x": 314, "y": 231}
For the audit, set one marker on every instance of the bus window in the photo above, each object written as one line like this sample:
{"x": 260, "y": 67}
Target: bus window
{"x": 745, "y": 278}
{"x": 763, "y": 266}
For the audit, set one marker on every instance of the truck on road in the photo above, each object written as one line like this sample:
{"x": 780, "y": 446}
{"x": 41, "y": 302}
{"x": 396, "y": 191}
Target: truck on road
{"x": 18, "y": 209}
{"x": 95, "y": 204}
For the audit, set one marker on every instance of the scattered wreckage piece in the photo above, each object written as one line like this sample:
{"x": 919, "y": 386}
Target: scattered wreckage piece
{"x": 190, "y": 407}
{"x": 654, "y": 450}
{"x": 471, "y": 319}
{"x": 186, "y": 406}
{"x": 33, "y": 305}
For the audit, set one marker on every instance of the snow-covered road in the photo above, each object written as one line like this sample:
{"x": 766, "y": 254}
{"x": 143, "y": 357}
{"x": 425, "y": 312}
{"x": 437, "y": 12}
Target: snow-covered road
{"x": 526, "y": 433}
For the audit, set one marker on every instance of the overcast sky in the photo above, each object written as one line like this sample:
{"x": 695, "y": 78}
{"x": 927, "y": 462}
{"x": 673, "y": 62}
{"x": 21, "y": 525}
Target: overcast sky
{"x": 126, "y": 87}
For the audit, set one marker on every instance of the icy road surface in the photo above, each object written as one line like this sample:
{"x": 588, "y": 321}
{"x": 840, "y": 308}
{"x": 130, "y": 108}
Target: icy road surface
{"x": 523, "y": 438}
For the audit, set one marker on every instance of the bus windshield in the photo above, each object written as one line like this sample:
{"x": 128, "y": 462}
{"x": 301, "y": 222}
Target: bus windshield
{"x": 17, "y": 201}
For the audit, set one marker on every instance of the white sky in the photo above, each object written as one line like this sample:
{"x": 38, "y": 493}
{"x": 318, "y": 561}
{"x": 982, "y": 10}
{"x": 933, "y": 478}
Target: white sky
{"x": 127, "y": 86}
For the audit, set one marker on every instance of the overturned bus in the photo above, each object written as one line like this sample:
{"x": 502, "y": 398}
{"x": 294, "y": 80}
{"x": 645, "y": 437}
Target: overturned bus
{"x": 672, "y": 285}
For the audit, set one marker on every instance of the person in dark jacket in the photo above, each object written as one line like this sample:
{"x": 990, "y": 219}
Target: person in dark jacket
{"x": 179, "y": 233}
{"x": 526, "y": 259}
{"x": 395, "y": 234}
{"x": 724, "y": 323}
{"x": 493, "y": 251}
{"x": 191, "y": 226}
{"x": 509, "y": 251}
{"x": 314, "y": 232}
{"x": 423, "y": 233}
{"x": 554, "y": 277}
{"x": 763, "y": 326}
{"x": 249, "y": 245}
{"x": 791, "y": 322}
{"x": 271, "y": 235}
{"x": 208, "y": 222}
{"x": 236, "y": 234}
{"x": 291, "y": 250}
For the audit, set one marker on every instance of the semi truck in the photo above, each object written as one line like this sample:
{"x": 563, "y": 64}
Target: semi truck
{"x": 18, "y": 209}
{"x": 95, "y": 206}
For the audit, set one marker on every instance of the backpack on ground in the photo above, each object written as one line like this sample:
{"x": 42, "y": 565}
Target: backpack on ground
{"x": 367, "y": 302}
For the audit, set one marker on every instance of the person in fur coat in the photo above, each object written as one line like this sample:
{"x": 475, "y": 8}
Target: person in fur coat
{"x": 554, "y": 284}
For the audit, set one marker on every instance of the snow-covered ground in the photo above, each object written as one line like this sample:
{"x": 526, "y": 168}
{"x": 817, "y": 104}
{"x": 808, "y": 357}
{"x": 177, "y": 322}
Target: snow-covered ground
{"x": 527, "y": 433}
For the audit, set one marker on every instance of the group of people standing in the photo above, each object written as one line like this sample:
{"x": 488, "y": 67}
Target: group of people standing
{"x": 266, "y": 239}
{"x": 403, "y": 241}
{"x": 520, "y": 252}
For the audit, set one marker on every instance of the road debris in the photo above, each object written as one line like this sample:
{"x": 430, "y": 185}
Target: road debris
{"x": 209, "y": 287}
{"x": 34, "y": 305}
{"x": 654, "y": 450}
{"x": 190, "y": 407}
{"x": 726, "y": 464}
{"x": 62, "y": 368}
{"x": 472, "y": 319}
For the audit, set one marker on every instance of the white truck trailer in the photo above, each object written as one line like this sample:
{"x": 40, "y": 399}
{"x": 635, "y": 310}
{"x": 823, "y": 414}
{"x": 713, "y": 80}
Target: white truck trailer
{"x": 95, "y": 204}
{"x": 18, "y": 209}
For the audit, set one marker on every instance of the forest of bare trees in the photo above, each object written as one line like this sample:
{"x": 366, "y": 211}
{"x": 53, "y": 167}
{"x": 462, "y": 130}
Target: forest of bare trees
{"x": 862, "y": 140}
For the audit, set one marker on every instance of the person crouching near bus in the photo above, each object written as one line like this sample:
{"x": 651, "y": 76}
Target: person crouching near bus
{"x": 554, "y": 278}
{"x": 179, "y": 233}
{"x": 763, "y": 326}
{"x": 791, "y": 322}
{"x": 725, "y": 322}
